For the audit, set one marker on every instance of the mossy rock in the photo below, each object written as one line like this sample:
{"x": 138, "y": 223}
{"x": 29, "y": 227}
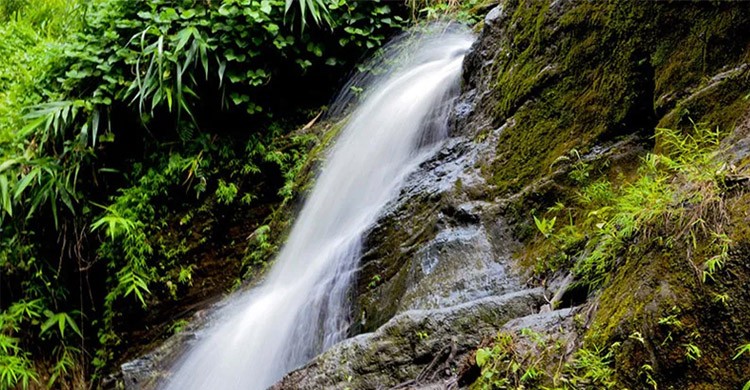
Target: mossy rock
{"x": 580, "y": 75}
{"x": 570, "y": 74}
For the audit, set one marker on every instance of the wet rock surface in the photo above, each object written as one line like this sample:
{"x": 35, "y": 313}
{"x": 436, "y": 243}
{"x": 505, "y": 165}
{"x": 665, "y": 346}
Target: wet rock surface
{"x": 145, "y": 371}
{"x": 415, "y": 349}
{"x": 148, "y": 370}
{"x": 436, "y": 278}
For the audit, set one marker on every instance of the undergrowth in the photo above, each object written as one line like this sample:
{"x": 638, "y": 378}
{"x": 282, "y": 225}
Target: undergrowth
{"x": 674, "y": 201}
{"x": 676, "y": 197}
{"x": 530, "y": 360}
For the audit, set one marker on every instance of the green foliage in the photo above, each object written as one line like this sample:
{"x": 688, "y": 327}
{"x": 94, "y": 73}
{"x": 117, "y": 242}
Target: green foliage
{"x": 51, "y": 17}
{"x": 528, "y": 359}
{"x": 225, "y": 193}
{"x": 261, "y": 245}
{"x": 692, "y": 351}
{"x": 186, "y": 275}
{"x": 592, "y": 368}
{"x": 466, "y": 11}
{"x": 500, "y": 366}
{"x": 114, "y": 224}
{"x": 67, "y": 361}
{"x": 579, "y": 170}
{"x": 178, "y": 326}
{"x": 741, "y": 350}
{"x": 374, "y": 281}
{"x": 240, "y": 48}
{"x": 545, "y": 225}
{"x": 315, "y": 9}
{"x": 677, "y": 195}
{"x": 62, "y": 320}
{"x": 15, "y": 364}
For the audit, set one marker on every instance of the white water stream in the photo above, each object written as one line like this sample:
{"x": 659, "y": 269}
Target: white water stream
{"x": 303, "y": 306}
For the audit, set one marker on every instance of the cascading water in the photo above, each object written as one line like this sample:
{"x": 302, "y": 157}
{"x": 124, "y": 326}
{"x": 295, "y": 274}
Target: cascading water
{"x": 302, "y": 308}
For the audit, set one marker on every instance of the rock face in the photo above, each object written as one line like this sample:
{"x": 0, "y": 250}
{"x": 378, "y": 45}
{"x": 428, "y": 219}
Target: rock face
{"x": 437, "y": 277}
{"x": 415, "y": 348}
{"x": 438, "y": 245}
{"x": 436, "y": 280}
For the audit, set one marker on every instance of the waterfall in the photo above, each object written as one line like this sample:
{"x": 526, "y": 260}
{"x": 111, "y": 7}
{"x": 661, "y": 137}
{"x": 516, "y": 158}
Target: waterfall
{"x": 303, "y": 308}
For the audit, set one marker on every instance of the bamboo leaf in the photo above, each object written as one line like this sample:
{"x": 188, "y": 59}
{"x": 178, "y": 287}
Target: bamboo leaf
{"x": 65, "y": 197}
{"x": 222, "y": 69}
{"x": 25, "y": 182}
{"x": 182, "y": 38}
{"x": 52, "y": 320}
{"x": 94, "y": 126}
{"x": 6, "y": 200}
{"x": 73, "y": 325}
{"x": 31, "y": 126}
{"x": 7, "y": 164}
{"x": 53, "y": 205}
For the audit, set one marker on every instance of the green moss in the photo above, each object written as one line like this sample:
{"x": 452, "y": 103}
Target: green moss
{"x": 634, "y": 310}
{"x": 739, "y": 212}
{"x": 664, "y": 311}
{"x": 721, "y": 103}
{"x": 579, "y": 74}
{"x": 602, "y": 71}
{"x": 518, "y": 74}
{"x": 654, "y": 235}
{"x": 563, "y": 87}
{"x": 686, "y": 53}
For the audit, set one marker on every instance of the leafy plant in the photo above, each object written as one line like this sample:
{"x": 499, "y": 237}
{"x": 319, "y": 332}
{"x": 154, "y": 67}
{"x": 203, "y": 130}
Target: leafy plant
{"x": 646, "y": 371}
{"x": 522, "y": 360}
{"x": 63, "y": 321}
{"x": 315, "y": 9}
{"x": 677, "y": 191}
{"x": 374, "y": 281}
{"x": 178, "y": 326}
{"x": 741, "y": 350}
{"x": 593, "y": 368}
{"x": 579, "y": 171}
{"x": 465, "y": 11}
{"x": 225, "y": 193}
{"x": 67, "y": 360}
{"x": 15, "y": 365}
{"x": 692, "y": 351}
{"x": 545, "y": 225}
